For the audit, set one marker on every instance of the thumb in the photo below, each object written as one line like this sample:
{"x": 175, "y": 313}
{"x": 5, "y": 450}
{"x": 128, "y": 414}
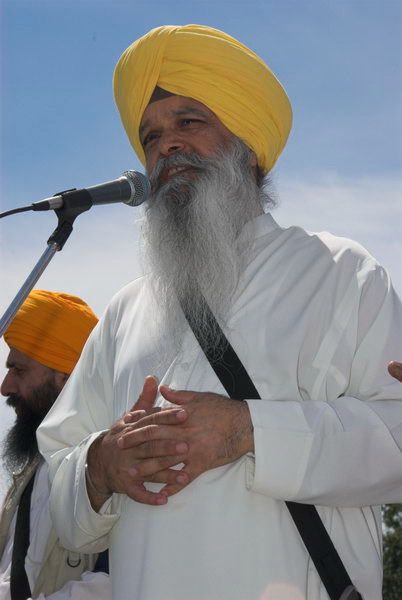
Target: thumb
{"x": 148, "y": 395}
{"x": 395, "y": 369}
{"x": 176, "y": 396}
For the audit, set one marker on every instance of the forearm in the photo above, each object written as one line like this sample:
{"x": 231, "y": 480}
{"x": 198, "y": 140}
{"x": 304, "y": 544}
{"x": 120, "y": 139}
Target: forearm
{"x": 78, "y": 525}
{"x": 97, "y": 492}
{"x": 346, "y": 452}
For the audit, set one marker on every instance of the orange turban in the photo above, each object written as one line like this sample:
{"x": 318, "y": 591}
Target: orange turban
{"x": 214, "y": 68}
{"x": 52, "y": 329}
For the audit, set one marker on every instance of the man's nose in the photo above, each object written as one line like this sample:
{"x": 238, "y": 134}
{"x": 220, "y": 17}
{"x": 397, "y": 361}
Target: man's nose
{"x": 170, "y": 143}
{"x": 8, "y": 386}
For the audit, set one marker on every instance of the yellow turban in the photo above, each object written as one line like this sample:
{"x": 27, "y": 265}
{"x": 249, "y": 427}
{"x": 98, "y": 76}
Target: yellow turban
{"x": 52, "y": 329}
{"x": 212, "y": 67}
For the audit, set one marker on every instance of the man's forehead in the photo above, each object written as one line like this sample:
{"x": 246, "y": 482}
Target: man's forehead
{"x": 173, "y": 106}
{"x": 17, "y": 358}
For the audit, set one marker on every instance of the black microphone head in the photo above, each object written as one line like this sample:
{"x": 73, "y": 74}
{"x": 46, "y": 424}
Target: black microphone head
{"x": 140, "y": 187}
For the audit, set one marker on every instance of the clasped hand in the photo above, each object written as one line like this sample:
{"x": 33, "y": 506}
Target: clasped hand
{"x": 209, "y": 431}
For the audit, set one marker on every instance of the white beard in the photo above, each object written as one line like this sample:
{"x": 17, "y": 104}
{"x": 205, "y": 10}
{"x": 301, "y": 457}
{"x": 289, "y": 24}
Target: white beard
{"x": 191, "y": 238}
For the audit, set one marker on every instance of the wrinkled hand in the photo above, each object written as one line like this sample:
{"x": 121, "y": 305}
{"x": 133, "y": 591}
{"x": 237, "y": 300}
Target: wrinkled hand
{"x": 217, "y": 431}
{"x": 115, "y": 467}
{"x": 395, "y": 369}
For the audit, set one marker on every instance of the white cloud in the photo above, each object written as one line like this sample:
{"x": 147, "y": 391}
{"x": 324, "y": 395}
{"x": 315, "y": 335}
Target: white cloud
{"x": 101, "y": 255}
{"x": 368, "y": 210}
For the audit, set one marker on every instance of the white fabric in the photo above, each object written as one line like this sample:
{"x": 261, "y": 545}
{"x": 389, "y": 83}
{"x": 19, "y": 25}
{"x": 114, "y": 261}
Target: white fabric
{"x": 92, "y": 585}
{"x": 315, "y": 322}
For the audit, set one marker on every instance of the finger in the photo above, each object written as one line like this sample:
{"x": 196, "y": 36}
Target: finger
{"x": 171, "y": 476}
{"x": 395, "y": 369}
{"x": 136, "y": 415}
{"x": 153, "y": 469}
{"x": 139, "y": 493}
{"x": 148, "y": 395}
{"x": 155, "y": 448}
{"x": 169, "y": 416}
{"x": 176, "y": 396}
{"x": 132, "y": 437}
{"x": 170, "y": 489}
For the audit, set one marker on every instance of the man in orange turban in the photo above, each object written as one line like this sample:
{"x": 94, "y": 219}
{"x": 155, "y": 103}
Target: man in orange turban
{"x": 45, "y": 338}
{"x": 51, "y": 328}
{"x": 191, "y": 498}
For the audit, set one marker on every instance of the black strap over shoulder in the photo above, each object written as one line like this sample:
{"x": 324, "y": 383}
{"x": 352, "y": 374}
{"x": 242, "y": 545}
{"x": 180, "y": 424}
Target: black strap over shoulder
{"x": 19, "y": 584}
{"x": 239, "y": 386}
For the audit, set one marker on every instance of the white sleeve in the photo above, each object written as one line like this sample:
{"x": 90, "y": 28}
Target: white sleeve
{"x": 83, "y": 407}
{"x": 345, "y": 450}
{"x": 91, "y": 586}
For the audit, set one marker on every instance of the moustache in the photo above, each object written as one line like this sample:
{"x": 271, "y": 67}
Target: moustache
{"x": 15, "y": 401}
{"x": 19, "y": 405}
{"x": 179, "y": 159}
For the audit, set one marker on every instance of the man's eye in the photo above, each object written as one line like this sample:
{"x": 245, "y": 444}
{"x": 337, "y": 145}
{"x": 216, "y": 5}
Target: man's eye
{"x": 149, "y": 138}
{"x": 189, "y": 121}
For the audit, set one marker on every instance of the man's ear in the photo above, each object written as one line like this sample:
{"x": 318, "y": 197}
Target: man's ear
{"x": 60, "y": 379}
{"x": 253, "y": 159}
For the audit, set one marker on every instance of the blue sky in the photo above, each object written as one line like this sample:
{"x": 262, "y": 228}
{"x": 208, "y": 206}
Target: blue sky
{"x": 340, "y": 61}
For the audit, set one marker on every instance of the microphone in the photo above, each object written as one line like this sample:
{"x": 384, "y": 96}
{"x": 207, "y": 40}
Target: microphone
{"x": 132, "y": 188}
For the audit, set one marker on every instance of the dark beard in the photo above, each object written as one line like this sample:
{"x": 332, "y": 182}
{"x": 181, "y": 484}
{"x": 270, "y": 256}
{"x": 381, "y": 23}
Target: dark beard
{"x": 20, "y": 445}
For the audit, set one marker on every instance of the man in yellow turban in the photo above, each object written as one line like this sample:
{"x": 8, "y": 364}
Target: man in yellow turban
{"x": 45, "y": 338}
{"x": 213, "y": 68}
{"x": 191, "y": 498}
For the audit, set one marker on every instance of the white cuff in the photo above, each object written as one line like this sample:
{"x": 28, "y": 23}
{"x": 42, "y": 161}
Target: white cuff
{"x": 282, "y": 445}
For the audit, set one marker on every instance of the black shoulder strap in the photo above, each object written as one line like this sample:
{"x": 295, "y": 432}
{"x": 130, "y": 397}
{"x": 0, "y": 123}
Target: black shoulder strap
{"x": 19, "y": 585}
{"x": 239, "y": 386}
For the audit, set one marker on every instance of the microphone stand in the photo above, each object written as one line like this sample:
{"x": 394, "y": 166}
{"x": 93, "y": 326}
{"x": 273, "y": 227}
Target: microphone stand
{"x": 66, "y": 217}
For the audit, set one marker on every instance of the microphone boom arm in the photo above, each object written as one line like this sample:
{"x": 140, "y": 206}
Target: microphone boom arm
{"x": 66, "y": 217}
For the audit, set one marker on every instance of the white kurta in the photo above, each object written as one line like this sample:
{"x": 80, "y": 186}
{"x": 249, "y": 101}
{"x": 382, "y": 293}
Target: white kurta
{"x": 315, "y": 322}
{"x": 89, "y": 587}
